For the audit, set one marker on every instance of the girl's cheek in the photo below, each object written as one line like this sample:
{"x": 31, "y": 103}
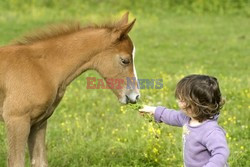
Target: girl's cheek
{"x": 181, "y": 104}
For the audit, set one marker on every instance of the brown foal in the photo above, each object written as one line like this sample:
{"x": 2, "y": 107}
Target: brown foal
{"x": 35, "y": 72}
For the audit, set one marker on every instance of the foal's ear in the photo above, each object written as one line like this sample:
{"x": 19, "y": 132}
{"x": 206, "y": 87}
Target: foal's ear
{"x": 126, "y": 28}
{"x": 123, "y": 21}
{"x": 120, "y": 32}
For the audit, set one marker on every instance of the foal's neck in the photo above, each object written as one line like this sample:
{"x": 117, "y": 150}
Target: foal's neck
{"x": 72, "y": 54}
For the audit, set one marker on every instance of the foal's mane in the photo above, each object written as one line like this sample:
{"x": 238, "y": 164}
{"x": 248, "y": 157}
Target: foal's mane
{"x": 55, "y": 31}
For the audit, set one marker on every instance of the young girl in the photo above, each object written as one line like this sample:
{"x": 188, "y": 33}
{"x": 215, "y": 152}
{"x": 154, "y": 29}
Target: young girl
{"x": 200, "y": 101}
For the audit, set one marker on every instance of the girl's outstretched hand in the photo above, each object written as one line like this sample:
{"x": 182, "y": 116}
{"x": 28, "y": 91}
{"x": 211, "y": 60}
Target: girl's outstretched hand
{"x": 147, "y": 110}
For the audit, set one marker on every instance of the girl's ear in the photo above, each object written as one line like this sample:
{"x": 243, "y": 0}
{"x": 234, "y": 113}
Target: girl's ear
{"x": 121, "y": 31}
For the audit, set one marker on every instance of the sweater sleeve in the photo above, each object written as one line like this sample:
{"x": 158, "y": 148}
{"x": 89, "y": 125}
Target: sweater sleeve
{"x": 217, "y": 145}
{"x": 170, "y": 116}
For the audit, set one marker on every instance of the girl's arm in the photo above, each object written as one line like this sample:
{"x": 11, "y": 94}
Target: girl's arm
{"x": 168, "y": 116}
{"x": 217, "y": 145}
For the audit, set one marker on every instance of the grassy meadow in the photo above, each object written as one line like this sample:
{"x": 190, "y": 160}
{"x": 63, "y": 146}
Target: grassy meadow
{"x": 91, "y": 128}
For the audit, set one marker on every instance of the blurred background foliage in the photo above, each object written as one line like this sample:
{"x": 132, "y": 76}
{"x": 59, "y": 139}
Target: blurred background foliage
{"x": 178, "y": 6}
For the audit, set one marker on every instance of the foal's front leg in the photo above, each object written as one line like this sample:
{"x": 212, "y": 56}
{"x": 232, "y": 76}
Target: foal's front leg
{"x": 18, "y": 128}
{"x": 37, "y": 148}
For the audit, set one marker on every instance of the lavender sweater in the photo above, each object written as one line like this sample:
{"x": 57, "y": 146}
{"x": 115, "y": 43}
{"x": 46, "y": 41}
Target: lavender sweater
{"x": 204, "y": 145}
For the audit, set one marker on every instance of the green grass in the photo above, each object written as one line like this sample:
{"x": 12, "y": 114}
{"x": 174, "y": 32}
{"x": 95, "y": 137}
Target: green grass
{"x": 90, "y": 128}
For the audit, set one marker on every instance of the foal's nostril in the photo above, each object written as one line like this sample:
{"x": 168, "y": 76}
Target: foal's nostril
{"x": 127, "y": 99}
{"x": 137, "y": 97}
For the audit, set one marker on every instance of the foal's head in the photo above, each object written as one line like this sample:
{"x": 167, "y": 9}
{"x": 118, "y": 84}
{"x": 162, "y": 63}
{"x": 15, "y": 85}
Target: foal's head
{"x": 118, "y": 61}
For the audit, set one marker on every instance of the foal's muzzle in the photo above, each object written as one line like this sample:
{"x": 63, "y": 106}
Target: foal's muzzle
{"x": 132, "y": 100}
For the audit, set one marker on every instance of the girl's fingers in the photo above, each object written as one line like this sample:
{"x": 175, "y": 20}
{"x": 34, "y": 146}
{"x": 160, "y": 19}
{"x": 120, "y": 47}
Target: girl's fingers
{"x": 145, "y": 113}
{"x": 143, "y": 110}
{"x": 147, "y": 109}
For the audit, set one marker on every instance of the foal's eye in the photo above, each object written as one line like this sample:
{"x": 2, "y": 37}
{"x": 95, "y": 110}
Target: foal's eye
{"x": 125, "y": 61}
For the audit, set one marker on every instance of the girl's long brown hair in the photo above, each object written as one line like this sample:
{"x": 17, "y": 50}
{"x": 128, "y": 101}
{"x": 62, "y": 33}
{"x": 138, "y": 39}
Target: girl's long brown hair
{"x": 202, "y": 96}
